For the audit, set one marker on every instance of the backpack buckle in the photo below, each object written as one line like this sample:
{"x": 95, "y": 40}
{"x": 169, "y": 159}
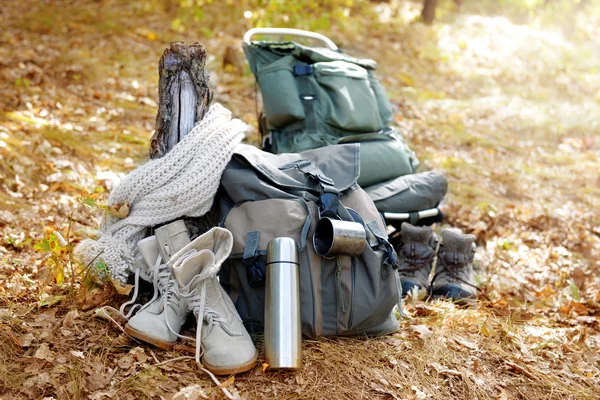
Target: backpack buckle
{"x": 301, "y": 70}
{"x": 254, "y": 274}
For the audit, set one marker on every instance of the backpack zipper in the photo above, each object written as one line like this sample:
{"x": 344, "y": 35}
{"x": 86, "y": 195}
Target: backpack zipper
{"x": 338, "y": 280}
{"x": 351, "y": 317}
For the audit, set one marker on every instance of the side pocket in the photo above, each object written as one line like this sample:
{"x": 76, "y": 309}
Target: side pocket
{"x": 280, "y": 95}
{"x": 373, "y": 297}
{"x": 271, "y": 218}
{"x": 251, "y": 300}
{"x": 345, "y": 285}
{"x": 385, "y": 107}
{"x": 294, "y": 141}
{"x": 348, "y": 100}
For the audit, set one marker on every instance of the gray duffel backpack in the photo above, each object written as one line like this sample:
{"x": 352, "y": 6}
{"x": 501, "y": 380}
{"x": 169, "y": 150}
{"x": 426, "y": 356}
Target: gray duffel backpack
{"x": 265, "y": 196}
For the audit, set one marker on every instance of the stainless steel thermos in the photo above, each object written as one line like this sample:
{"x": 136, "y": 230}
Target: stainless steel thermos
{"x": 283, "y": 334}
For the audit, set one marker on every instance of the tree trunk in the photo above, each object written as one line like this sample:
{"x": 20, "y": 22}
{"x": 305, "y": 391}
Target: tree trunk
{"x": 183, "y": 99}
{"x": 428, "y": 13}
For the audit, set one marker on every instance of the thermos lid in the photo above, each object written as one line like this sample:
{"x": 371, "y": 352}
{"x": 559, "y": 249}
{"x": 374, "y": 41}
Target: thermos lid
{"x": 282, "y": 249}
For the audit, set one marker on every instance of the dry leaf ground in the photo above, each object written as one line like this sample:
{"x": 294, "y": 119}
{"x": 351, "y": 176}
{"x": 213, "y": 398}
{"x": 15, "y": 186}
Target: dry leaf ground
{"x": 508, "y": 108}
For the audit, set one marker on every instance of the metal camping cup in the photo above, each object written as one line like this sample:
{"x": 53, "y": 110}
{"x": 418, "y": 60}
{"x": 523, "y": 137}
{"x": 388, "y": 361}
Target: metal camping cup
{"x": 334, "y": 237}
{"x": 283, "y": 334}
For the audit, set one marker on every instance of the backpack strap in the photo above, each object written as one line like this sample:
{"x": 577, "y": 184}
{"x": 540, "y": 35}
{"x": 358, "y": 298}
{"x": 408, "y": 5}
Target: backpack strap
{"x": 392, "y": 258}
{"x": 302, "y": 71}
{"x": 254, "y": 274}
{"x": 330, "y": 197}
{"x": 312, "y": 170}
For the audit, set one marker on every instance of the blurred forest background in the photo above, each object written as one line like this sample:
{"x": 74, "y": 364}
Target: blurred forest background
{"x": 503, "y": 96}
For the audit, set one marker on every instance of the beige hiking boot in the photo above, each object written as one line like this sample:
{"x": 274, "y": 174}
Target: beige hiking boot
{"x": 159, "y": 321}
{"x": 220, "y": 336}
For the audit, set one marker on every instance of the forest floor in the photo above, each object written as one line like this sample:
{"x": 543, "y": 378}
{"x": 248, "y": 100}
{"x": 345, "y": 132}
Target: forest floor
{"x": 508, "y": 109}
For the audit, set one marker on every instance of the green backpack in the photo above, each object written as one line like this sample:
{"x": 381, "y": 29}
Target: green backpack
{"x": 316, "y": 97}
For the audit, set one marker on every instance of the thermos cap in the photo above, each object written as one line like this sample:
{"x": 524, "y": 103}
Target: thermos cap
{"x": 282, "y": 249}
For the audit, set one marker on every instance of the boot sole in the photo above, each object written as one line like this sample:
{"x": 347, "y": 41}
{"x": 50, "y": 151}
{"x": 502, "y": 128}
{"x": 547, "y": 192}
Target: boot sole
{"x": 230, "y": 371}
{"x": 148, "y": 339}
{"x": 464, "y": 302}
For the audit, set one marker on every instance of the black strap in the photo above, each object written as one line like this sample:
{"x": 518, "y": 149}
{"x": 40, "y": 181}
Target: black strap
{"x": 256, "y": 108}
{"x": 414, "y": 217}
{"x": 329, "y": 204}
{"x": 302, "y": 72}
{"x": 254, "y": 274}
{"x": 391, "y": 254}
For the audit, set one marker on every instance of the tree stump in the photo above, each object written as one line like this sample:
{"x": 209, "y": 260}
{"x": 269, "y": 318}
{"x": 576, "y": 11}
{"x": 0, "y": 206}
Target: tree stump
{"x": 183, "y": 93}
{"x": 183, "y": 100}
{"x": 428, "y": 13}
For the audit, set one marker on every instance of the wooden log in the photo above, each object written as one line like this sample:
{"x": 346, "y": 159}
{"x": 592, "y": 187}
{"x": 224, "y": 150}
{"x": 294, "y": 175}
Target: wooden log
{"x": 183, "y": 99}
{"x": 183, "y": 93}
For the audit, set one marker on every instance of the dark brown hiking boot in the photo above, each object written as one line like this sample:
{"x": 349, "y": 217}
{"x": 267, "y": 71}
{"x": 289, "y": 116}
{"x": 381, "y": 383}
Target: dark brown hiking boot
{"x": 454, "y": 277}
{"x": 415, "y": 254}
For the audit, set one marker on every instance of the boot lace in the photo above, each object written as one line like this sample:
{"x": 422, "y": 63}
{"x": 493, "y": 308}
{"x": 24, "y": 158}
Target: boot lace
{"x": 198, "y": 305}
{"x": 455, "y": 267}
{"x": 163, "y": 285}
{"x": 410, "y": 261}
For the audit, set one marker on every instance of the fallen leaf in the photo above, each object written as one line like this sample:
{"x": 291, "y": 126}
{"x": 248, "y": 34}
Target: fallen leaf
{"x": 44, "y": 353}
{"x": 139, "y": 354}
{"x": 422, "y": 331}
{"x": 120, "y": 210}
{"x": 468, "y": 344}
{"x": 517, "y": 368}
{"x": 193, "y": 392}
{"x": 546, "y": 292}
{"x": 121, "y": 288}
{"x": 70, "y": 318}
{"x": 126, "y": 361}
{"x": 265, "y": 366}
{"x": 6, "y": 217}
{"x": 98, "y": 377}
{"x": 78, "y": 354}
{"x": 443, "y": 370}
{"x": 579, "y": 308}
{"x": 382, "y": 389}
{"x": 487, "y": 329}
{"x": 228, "y": 382}
{"x": 421, "y": 395}
{"x": 26, "y": 340}
{"x": 503, "y": 395}
{"x": 38, "y": 380}
{"x": 111, "y": 394}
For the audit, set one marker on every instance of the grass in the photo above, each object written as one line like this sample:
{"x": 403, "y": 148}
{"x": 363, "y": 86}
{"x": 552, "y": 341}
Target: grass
{"x": 515, "y": 143}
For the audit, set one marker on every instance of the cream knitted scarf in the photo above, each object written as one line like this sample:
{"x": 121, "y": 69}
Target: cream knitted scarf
{"x": 181, "y": 183}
